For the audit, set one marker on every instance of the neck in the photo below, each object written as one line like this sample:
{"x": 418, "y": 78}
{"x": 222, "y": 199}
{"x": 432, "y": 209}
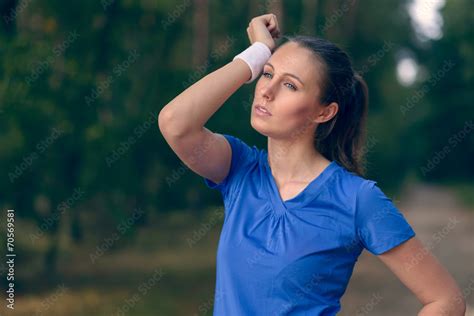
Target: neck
{"x": 292, "y": 160}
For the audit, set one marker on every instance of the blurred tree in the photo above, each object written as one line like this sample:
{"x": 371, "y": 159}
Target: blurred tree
{"x": 445, "y": 115}
{"x": 201, "y": 32}
{"x": 104, "y": 87}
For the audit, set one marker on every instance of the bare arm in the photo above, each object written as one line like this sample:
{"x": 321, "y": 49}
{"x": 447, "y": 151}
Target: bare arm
{"x": 190, "y": 110}
{"x": 422, "y": 273}
{"x": 182, "y": 120}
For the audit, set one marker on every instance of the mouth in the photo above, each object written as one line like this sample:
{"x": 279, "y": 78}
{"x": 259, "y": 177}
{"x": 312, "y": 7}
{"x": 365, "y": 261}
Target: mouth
{"x": 262, "y": 110}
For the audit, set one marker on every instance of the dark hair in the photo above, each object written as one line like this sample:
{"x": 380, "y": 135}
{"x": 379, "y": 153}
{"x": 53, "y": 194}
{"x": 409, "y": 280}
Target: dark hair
{"x": 342, "y": 138}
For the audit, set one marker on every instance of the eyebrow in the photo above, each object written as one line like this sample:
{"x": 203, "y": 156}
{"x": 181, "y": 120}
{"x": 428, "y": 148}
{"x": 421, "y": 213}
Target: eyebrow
{"x": 287, "y": 74}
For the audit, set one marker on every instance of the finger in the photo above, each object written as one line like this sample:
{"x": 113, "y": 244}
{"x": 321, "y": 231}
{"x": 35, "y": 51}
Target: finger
{"x": 275, "y": 33}
{"x": 267, "y": 19}
{"x": 277, "y": 25}
{"x": 273, "y": 30}
{"x": 263, "y": 18}
{"x": 272, "y": 24}
{"x": 250, "y": 37}
{"x": 268, "y": 16}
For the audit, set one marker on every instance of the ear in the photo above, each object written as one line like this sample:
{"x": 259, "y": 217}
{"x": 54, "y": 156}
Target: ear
{"x": 327, "y": 113}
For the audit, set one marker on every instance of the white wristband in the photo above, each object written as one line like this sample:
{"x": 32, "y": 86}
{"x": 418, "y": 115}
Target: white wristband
{"x": 256, "y": 55}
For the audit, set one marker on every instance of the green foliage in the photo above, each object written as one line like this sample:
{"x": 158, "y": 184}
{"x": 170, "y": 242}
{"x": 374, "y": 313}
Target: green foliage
{"x": 99, "y": 72}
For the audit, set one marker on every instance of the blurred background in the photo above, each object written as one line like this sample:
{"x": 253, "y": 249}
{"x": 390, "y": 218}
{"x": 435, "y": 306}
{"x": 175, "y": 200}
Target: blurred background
{"x": 108, "y": 221}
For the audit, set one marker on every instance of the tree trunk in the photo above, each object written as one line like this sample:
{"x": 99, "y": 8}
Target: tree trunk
{"x": 308, "y": 25}
{"x": 276, "y": 7}
{"x": 201, "y": 33}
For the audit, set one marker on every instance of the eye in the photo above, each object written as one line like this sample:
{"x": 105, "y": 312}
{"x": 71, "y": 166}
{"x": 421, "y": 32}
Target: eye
{"x": 291, "y": 86}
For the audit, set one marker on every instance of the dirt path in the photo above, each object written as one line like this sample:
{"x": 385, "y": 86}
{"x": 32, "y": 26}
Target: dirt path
{"x": 374, "y": 289}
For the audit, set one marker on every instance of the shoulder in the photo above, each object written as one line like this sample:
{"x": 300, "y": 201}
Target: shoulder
{"x": 349, "y": 183}
{"x": 356, "y": 191}
{"x": 245, "y": 157}
{"x": 241, "y": 150}
{"x": 356, "y": 183}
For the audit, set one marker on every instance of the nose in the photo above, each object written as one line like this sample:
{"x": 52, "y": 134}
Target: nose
{"x": 267, "y": 89}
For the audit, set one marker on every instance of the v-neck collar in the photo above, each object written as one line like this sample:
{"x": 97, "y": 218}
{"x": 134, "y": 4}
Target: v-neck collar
{"x": 308, "y": 194}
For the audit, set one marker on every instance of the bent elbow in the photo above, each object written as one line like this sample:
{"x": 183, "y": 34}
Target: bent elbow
{"x": 455, "y": 305}
{"x": 170, "y": 126}
{"x": 163, "y": 117}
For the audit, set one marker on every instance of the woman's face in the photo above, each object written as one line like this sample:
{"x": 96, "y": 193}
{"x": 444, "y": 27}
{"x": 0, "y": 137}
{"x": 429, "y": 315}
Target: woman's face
{"x": 289, "y": 89}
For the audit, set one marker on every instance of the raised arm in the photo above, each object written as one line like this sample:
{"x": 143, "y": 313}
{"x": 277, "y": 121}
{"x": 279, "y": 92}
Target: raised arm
{"x": 190, "y": 110}
{"x": 182, "y": 120}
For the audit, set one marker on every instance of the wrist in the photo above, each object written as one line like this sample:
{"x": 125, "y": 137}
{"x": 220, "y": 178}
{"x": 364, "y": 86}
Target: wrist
{"x": 255, "y": 56}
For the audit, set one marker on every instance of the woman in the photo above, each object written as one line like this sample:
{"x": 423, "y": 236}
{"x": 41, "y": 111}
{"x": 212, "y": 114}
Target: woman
{"x": 298, "y": 216}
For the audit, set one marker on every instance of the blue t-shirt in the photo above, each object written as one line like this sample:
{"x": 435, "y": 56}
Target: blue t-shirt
{"x": 295, "y": 257}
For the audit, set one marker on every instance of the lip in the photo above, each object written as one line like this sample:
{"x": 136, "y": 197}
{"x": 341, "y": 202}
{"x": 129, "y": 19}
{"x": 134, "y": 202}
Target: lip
{"x": 258, "y": 110}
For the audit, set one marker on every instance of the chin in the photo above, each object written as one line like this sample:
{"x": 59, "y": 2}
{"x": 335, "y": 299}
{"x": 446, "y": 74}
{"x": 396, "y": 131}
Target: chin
{"x": 260, "y": 127}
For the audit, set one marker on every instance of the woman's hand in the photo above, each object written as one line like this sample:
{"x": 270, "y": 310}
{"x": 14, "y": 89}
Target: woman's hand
{"x": 264, "y": 28}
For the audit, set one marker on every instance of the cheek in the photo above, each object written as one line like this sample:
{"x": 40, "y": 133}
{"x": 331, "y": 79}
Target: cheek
{"x": 294, "y": 115}
{"x": 293, "y": 108}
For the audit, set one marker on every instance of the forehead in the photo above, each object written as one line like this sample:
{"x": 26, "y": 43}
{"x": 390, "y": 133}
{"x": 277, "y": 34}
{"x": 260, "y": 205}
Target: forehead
{"x": 295, "y": 59}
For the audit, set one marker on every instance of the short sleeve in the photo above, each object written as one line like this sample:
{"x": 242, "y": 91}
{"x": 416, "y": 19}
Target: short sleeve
{"x": 242, "y": 157}
{"x": 380, "y": 226}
